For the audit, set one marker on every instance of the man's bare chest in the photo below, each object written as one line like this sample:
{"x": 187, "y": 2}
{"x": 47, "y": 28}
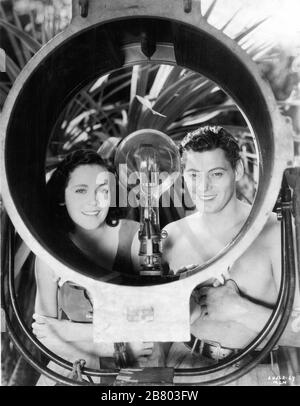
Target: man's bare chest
{"x": 253, "y": 274}
{"x": 194, "y": 248}
{"x": 252, "y": 271}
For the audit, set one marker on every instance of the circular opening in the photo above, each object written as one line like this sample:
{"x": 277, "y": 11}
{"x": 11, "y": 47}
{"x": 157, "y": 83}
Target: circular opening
{"x": 99, "y": 116}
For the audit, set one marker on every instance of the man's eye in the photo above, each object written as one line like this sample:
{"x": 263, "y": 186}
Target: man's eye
{"x": 218, "y": 174}
{"x": 80, "y": 190}
{"x": 104, "y": 191}
{"x": 193, "y": 175}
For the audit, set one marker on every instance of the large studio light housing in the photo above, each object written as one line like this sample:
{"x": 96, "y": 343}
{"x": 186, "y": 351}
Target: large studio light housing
{"x": 101, "y": 38}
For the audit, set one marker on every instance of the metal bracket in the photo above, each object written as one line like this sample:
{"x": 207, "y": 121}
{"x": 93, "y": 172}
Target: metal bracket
{"x": 148, "y": 43}
{"x": 187, "y": 6}
{"x": 293, "y": 179}
{"x": 84, "y": 8}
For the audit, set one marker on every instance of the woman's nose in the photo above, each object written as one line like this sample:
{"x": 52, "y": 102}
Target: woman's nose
{"x": 93, "y": 199}
{"x": 102, "y": 199}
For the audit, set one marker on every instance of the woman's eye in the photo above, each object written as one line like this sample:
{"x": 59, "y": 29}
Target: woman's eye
{"x": 80, "y": 190}
{"x": 218, "y": 174}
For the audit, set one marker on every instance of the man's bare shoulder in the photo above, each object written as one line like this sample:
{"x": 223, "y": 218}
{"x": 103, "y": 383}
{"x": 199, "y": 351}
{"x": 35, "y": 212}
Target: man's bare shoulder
{"x": 176, "y": 227}
{"x": 272, "y": 224}
{"x": 244, "y": 210}
{"x": 270, "y": 233}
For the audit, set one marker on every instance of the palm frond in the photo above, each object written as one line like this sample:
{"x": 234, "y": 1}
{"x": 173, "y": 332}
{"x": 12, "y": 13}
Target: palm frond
{"x": 245, "y": 32}
{"x": 26, "y": 54}
{"x": 13, "y": 40}
{"x": 32, "y": 45}
{"x": 12, "y": 69}
{"x": 210, "y": 9}
{"x": 232, "y": 18}
{"x": 139, "y": 82}
{"x": 161, "y": 77}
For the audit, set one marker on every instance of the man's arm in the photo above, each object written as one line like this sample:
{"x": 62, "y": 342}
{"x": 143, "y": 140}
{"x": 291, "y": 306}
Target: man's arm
{"x": 291, "y": 334}
{"x": 255, "y": 316}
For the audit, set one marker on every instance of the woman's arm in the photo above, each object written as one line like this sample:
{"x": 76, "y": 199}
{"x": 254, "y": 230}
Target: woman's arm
{"x": 64, "y": 337}
{"x": 46, "y": 289}
{"x": 60, "y": 336}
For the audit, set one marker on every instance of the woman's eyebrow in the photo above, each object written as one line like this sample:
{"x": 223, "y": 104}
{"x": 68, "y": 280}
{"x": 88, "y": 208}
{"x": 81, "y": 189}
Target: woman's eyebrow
{"x": 79, "y": 185}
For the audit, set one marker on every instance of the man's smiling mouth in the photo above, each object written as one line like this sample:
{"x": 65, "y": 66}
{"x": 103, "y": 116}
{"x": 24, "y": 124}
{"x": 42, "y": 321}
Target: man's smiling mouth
{"x": 207, "y": 197}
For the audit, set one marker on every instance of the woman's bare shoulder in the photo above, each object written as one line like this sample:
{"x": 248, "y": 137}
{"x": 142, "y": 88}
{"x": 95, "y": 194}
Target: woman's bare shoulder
{"x": 44, "y": 271}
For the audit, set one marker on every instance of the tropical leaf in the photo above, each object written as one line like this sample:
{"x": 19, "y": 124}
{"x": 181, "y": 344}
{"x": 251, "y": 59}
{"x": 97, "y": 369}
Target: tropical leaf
{"x": 138, "y": 88}
{"x": 173, "y": 77}
{"x": 31, "y": 44}
{"x": 147, "y": 104}
{"x": 160, "y": 80}
{"x": 117, "y": 89}
{"x": 199, "y": 116}
{"x": 168, "y": 97}
{"x": 245, "y": 32}
{"x": 231, "y": 19}
{"x": 14, "y": 42}
{"x": 210, "y": 9}
{"x": 12, "y": 69}
{"x": 26, "y": 54}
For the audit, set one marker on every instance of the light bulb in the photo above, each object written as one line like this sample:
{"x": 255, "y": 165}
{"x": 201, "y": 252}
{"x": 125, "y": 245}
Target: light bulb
{"x": 148, "y": 163}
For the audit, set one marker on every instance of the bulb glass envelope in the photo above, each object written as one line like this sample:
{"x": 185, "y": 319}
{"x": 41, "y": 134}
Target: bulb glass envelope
{"x": 143, "y": 148}
{"x": 109, "y": 38}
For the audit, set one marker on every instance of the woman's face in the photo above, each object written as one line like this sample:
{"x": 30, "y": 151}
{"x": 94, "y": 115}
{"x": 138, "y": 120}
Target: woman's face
{"x": 87, "y": 196}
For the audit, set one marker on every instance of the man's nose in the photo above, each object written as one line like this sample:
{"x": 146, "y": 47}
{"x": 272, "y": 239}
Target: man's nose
{"x": 206, "y": 183}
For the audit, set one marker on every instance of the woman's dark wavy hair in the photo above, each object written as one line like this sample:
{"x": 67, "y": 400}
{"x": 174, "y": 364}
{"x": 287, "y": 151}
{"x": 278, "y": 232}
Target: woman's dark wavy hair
{"x": 208, "y": 138}
{"x": 59, "y": 180}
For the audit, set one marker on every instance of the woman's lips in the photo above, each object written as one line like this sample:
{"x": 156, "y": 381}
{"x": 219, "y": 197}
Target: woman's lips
{"x": 91, "y": 212}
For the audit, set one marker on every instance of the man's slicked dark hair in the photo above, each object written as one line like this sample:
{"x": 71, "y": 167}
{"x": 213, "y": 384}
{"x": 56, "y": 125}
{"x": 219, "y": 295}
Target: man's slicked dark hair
{"x": 209, "y": 138}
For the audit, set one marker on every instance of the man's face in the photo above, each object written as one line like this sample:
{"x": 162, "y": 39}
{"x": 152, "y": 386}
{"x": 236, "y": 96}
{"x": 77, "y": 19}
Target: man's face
{"x": 210, "y": 179}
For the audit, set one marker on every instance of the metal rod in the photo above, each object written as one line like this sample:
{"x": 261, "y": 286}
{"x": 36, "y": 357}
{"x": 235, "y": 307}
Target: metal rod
{"x": 296, "y": 213}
